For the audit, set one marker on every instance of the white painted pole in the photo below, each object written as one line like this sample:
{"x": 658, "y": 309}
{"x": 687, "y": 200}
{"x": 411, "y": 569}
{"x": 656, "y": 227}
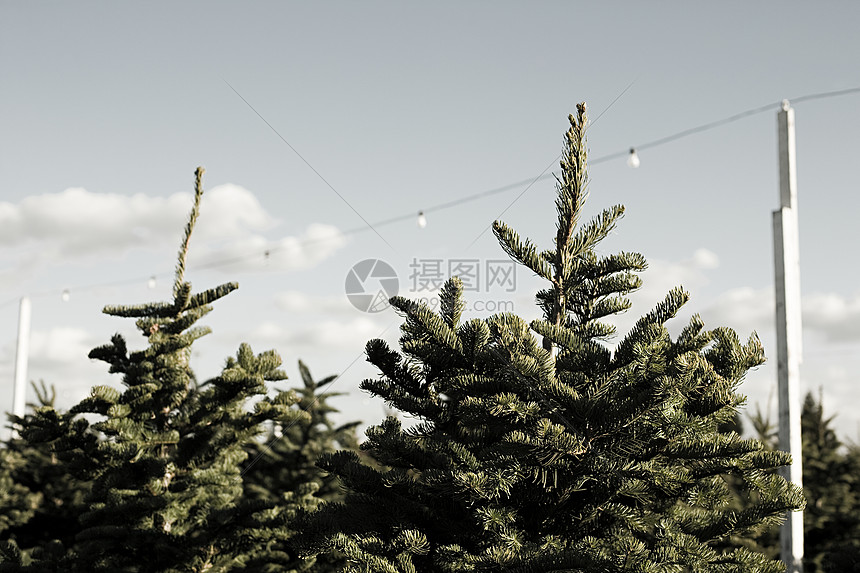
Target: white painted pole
{"x": 22, "y": 352}
{"x": 788, "y": 332}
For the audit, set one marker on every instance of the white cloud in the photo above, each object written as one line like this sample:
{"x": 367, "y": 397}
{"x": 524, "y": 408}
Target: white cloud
{"x": 268, "y": 332}
{"x": 705, "y": 259}
{"x": 230, "y": 211}
{"x": 835, "y": 316}
{"x": 662, "y": 276}
{"x": 658, "y": 279}
{"x": 743, "y": 309}
{"x": 59, "y": 357}
{"x": 77, "y": 222}
{"x": 830, "y": 350}
{"x": 60, "y": 346}
{"x": 256, "y": 252}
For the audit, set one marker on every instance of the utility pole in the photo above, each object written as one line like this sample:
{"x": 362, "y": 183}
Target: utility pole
{"x": 22, "y": 352}
{"x": 788, "y": 332}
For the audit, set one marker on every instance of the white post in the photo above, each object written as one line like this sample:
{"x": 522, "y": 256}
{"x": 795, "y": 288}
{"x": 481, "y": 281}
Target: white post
{"x": 788, "y": 332}
{"x": 22, "y": 352}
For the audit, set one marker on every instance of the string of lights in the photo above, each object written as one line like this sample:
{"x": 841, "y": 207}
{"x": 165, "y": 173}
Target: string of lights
{"x": 421, "y": 215}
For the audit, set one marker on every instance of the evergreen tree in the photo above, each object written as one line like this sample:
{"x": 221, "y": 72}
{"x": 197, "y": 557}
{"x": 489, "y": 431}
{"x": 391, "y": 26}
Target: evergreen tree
{"x": 765, "y": 541}
{"x": 164, "y": 455}
{"x": 564, "y": 455}
{"x": 831, "y": 484}
{"x": 286, "y": 459}
{"x": 38, "y": 499}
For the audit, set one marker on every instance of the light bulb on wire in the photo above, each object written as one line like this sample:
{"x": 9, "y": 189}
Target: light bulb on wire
{"x": 151, "y": 282}
{"x": 66, "y": 295}
{"x": 422, "y": 220}
{"x": 633, "y": 159}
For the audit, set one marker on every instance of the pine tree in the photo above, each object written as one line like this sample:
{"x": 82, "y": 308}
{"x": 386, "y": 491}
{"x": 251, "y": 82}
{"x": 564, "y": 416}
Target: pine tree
{"x": 38, "y": 499}
{"x": 562, "y": 454}
{"x": 164, "y": 455}
{"x": 285, "y": 460}
{"x": 831, "y": 484}
{"x": 765, "y": 541}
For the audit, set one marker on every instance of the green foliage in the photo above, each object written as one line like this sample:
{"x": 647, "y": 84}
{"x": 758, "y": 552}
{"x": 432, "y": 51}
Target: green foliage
{"x": 162, "y": 457}
{"x": 831, "y": 484}
{"x": 38, "y": 499}
{"x": 561, "y": 454}
{"x": 284, "y": 461}
{"x": 286, "y": 457}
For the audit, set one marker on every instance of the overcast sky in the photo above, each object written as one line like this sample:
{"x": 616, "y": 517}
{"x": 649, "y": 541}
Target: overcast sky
{"x": 315, "y": 119}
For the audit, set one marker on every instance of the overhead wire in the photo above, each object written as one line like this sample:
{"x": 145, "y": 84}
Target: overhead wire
{"x": 462, "y": 200}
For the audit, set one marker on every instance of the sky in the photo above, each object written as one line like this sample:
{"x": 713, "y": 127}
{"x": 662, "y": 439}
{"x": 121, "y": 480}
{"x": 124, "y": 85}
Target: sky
{"x": 326, "y": 127}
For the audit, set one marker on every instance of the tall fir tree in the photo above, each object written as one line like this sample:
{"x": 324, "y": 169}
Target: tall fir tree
{"x": 165, "y": 454}
{"x": 560, "y": 455}
{"x": 831, "y": 484}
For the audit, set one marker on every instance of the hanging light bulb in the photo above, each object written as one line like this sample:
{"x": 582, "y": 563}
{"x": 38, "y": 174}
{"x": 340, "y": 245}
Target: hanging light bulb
{"x": 633, "y": 158}
{"x": 422, "y": 220}
{"x": 66, "y": 295}
{"x": 151, "y": 282}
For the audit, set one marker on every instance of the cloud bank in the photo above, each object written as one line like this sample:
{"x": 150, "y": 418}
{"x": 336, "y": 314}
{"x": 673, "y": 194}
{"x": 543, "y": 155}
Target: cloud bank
{"x": 78, "y": 224}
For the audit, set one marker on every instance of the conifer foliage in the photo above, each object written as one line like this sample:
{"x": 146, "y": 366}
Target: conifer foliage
{"x": 831, "y": 483}
{"x": 38, "y": 498}
{"x": 286, "y": 458}
{"x": 285, "y": 461}
{"x": 164, "y": 454}
{"x": 542, "y": 448}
